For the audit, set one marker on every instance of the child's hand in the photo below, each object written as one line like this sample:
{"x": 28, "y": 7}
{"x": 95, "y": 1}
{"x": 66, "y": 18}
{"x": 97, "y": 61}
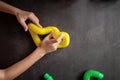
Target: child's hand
{"x": 22, "y": 16}
{"x": 50, "y": 44}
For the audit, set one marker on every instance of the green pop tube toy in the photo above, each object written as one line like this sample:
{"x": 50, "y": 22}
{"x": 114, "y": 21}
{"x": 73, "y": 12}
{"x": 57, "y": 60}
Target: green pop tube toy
{"x": 47, "y": 77}
{"x": 93, "y": 73}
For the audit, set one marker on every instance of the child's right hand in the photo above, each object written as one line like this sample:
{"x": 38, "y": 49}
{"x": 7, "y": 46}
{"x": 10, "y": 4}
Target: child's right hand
{"x": 50, "y": 44}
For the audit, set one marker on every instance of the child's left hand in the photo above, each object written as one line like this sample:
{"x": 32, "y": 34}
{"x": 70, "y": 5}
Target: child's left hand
{"x": 22, "y": 16}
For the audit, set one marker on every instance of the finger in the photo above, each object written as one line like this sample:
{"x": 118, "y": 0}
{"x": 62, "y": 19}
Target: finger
{"x": 39, "y": 25}
{"x": 49, "y": 36}
{"x": 53, "y": 41}
{"x": 22, "y": 22}
{"x": 56, "y": 42}
{"x": 59, "y": 38}
{"x": 35, "y": 20}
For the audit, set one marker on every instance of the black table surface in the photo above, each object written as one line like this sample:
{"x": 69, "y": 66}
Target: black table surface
{"x": 94, "y": 29}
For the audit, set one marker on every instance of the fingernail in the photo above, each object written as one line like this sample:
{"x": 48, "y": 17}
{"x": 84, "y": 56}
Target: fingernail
{"x": 26, "y": 30}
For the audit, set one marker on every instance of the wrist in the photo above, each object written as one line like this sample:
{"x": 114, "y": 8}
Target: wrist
{"x": 41, "y": 50}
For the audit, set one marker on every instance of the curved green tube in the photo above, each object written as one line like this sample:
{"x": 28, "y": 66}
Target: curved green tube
{"x": 47, "y": 77}
{"x": 93, "y": 73}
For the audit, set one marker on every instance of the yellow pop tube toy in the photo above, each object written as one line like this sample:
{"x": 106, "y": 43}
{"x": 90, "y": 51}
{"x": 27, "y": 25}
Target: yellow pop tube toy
{"x": 35, "y": 31}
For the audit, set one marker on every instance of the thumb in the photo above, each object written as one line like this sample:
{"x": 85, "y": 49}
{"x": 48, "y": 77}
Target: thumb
{"x": 48, "y": 36}
{"x": 59, "y": 39}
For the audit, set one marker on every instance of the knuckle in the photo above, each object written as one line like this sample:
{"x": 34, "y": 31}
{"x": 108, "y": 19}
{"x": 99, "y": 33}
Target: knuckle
{"x": 53, "y": 47}
{"x": 31, "y": 13}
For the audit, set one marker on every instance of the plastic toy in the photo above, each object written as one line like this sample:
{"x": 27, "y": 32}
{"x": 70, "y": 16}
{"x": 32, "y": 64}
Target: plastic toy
{"x": 93, "y": 73}
{"x": 46, "y": 76}
{"x": 35, "y": 31}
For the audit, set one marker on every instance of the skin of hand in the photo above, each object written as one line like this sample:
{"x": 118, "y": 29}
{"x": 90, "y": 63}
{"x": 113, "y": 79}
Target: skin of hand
{"x": 21, "y": 15}
{"x": 50, "y": 44}
{"x": 47, "y": 45}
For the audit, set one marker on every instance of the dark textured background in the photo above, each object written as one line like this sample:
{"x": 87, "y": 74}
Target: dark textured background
{"x": 94, "y": 28}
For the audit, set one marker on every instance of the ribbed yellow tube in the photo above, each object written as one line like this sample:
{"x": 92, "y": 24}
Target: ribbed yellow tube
{"x": 35, "y": 31}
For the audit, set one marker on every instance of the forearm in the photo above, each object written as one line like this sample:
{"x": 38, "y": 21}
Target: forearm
{"x": 4, "y": 7}
{"x": 18, "y": 68}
